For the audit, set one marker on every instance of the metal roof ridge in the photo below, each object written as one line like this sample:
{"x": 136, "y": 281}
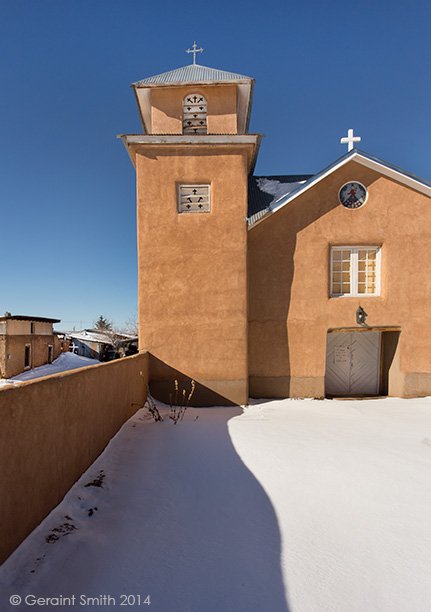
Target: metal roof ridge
{"x": 391, "y": 166}
{"x": 315, "y": 178}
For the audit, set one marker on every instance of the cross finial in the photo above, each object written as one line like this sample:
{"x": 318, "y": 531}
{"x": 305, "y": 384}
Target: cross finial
{"x": 350, "y": 139}
{"x": 194, "y": 50}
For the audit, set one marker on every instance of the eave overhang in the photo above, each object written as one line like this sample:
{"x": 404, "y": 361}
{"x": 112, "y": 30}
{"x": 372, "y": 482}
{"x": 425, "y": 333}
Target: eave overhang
{"x": 29, "y": 318}
{"x": 133, "y": 142}
{"x": 401, "y": 176}
{"x": 244, "y": 80}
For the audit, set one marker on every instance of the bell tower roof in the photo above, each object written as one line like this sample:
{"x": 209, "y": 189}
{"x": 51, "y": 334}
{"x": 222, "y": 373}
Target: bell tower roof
{"x": 199, "y": 76}
{"x": 193, "y": 73}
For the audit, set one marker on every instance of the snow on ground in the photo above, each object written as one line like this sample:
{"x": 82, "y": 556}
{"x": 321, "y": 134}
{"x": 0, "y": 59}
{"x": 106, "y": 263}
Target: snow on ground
{"x": 66, "y": 361}
{"x": 293, "y": 505}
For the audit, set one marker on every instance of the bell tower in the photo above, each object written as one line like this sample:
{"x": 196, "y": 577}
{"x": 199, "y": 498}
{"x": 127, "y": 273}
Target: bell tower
{"x": 192, "y": 162}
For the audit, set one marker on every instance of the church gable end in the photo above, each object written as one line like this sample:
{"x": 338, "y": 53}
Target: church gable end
{"x": 359, "y": 158}
{"x": 297, "y": 297}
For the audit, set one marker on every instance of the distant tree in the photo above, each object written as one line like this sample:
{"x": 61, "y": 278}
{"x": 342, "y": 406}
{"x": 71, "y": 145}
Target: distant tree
{"x": 115, "y": 337}
{"x": 131, "y": 325}
{"x": 103, "y": 324}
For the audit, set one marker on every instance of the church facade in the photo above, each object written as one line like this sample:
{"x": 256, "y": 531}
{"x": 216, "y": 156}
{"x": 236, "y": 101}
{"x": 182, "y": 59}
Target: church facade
{"x": 292, "y": 286}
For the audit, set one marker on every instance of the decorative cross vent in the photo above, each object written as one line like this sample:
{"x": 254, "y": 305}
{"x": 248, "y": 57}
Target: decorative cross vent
{"x": 194, "y": 198}
{"x": 194, "y": 114}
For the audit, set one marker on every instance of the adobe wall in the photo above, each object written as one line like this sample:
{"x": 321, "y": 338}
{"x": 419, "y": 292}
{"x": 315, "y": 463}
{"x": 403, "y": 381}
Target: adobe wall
{"x": 192, "y": 270}
{"x": 290, "y": 308}
{"x": 52, "y": 429}
{"x": 17, "y": 327}
{"x": 15, "y": 347}
{"x": 167, "y": 108}
{"x": 59, "y": 347}
{"x": 2, "y": 356}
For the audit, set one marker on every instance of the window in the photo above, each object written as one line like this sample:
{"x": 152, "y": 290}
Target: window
{"x": 194, "y": 114}
{"x": 50, "y": 352}
{"x": 194, "y": 198}
{"x": 27, "y": 356}
{"x": 355, "y": 271}
{"x": 32, "y": 328}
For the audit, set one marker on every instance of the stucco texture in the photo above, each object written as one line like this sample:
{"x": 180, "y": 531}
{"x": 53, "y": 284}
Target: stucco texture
{"x": 167, "y": 106}
{"x": 192, "y": 266}
{"x": 12, "y": 349}
{"x": 52, "y": 429}
{"x": 290, "y": 308}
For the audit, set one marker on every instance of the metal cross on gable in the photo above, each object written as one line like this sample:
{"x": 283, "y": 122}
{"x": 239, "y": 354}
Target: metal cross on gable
{"x": 350, "y": 139}
{"x": 194, "y": 50}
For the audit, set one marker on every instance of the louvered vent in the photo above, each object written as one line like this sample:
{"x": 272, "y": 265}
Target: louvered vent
{"x": 194, "y": 198}
{"x": 194, "y": 114}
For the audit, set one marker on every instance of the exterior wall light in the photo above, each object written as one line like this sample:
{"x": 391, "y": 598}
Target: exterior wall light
{"x": 361, "y": 315}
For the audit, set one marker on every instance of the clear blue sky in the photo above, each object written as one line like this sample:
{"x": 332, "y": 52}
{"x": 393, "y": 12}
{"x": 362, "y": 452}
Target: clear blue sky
{"x": 67, "y": 184}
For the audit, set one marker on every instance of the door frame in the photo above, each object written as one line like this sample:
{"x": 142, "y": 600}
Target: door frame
{"x": 389, "y": 351}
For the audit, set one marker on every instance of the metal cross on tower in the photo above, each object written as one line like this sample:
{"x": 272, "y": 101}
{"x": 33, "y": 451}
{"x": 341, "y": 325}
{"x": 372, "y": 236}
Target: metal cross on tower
{"x": 350, "y": 139}
{"x": 194, "y": 50}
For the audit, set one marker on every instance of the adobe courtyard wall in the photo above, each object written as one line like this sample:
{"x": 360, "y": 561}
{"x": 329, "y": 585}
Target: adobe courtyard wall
{"x": 52, "y": 429}
{"x": 290, "y": 308}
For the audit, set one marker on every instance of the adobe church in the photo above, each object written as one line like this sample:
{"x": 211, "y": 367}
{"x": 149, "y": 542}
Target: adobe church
{"x": 289, "y": 286}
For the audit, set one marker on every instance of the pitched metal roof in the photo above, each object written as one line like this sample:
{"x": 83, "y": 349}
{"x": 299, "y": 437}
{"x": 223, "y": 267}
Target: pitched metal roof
{"x": 100, "y": 336}
{"x": 194, "y": 73}
{"x": 265, "y": 191}
{"x": 369, "y": 161}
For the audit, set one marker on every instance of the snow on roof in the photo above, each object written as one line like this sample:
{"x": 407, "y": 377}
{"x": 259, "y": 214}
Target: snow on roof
{"x": 94, "y": 335}
{"x": 355, "y": 155}
{"x": 265, "y": 191}
{"x": 91, "y": 335}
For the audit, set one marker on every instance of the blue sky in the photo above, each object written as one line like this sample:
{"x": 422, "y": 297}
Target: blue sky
{"x": 67, "y": 184}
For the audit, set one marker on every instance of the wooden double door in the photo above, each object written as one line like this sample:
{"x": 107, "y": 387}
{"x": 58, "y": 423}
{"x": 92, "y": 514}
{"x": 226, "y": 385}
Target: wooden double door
{"x": 353, "y": 363}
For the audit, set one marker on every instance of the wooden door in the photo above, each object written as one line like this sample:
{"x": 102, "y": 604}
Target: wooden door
{"x": 353, "y": 363}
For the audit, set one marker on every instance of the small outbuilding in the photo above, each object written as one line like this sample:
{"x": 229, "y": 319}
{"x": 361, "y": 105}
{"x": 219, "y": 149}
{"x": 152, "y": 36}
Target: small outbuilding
{"x": 26, "y": 342}
{"x": 102, "y": 345}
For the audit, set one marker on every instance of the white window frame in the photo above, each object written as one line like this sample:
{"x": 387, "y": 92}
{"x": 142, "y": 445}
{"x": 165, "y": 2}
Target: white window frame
{"x": 354, "y": 270}
{"x": 194, "y": 208}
